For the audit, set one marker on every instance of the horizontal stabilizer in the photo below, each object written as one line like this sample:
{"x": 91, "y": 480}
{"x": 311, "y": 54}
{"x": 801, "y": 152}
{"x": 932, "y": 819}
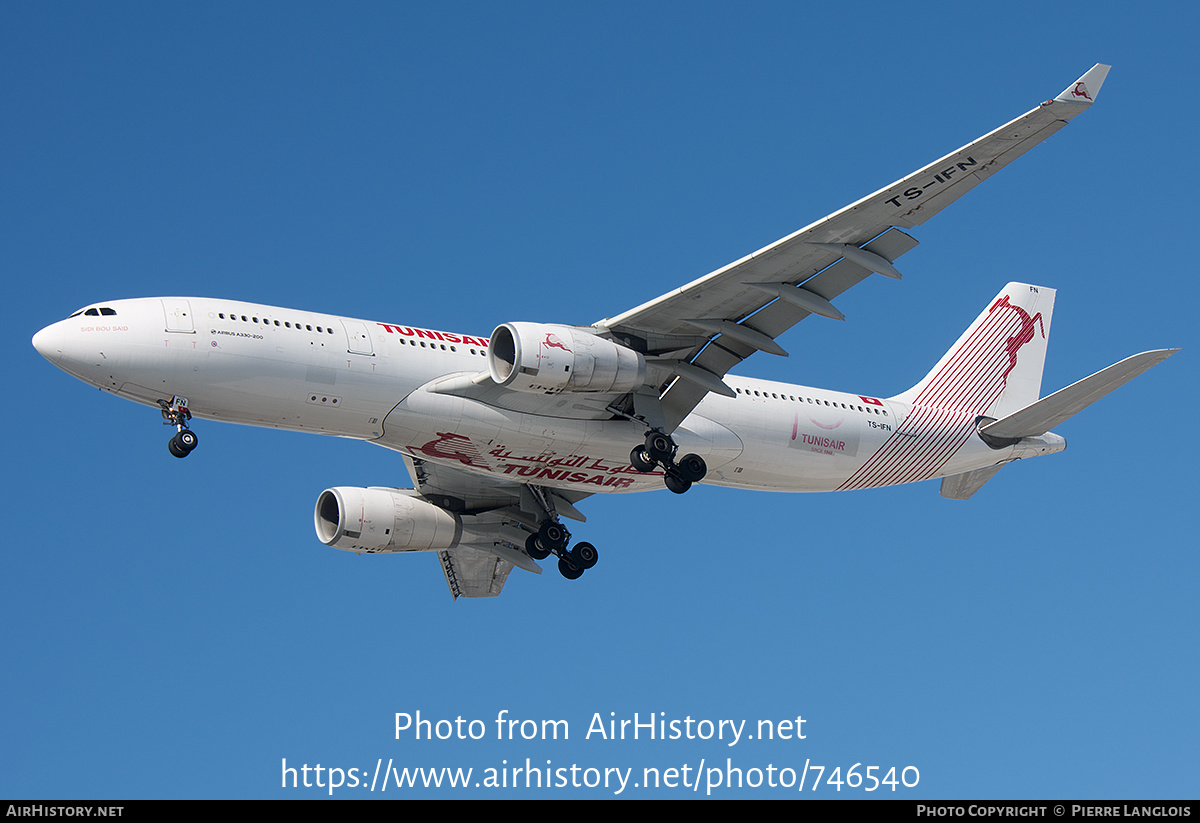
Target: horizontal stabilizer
{"x": 1043, "y": 415}
{"x": 962, "y": 486}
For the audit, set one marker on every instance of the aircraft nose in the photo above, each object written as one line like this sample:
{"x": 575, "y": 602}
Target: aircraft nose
{"x": 49, "y": 342}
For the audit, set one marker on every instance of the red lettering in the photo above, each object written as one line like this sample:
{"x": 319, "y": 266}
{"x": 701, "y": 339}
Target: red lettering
{"x": 446, "y": 337}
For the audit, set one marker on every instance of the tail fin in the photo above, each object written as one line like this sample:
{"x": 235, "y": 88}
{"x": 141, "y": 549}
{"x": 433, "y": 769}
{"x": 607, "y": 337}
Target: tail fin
{"x": 995, "y": 368}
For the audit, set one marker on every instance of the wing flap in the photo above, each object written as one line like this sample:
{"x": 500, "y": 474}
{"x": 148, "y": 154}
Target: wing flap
{"x": 471, "y": 573}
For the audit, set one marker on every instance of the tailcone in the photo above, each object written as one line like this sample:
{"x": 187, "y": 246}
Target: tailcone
{"x": 1048, "y": 443}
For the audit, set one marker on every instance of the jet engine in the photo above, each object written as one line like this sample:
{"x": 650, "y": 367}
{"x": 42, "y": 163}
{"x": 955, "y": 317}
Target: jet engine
{"x": 536, "y": 357}
{"x": 383, "y": 520}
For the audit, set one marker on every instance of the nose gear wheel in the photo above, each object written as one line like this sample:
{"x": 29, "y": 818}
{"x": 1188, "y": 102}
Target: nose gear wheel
{"x": 175, "y": 413}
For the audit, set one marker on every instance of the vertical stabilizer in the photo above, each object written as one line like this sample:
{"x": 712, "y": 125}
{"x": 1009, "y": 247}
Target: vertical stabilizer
{"x": 995, "y": 368}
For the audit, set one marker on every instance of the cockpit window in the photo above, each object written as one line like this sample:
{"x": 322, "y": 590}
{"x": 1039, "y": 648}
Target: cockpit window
{"x": 94, "y": 311}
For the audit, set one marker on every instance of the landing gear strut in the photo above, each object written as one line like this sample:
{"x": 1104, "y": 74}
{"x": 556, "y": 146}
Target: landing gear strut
{"x": 552, "y": 538}
{"x": 175, "y": 413}
{"x": 660, "y": 450}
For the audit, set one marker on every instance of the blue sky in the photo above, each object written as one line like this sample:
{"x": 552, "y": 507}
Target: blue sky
{"x": 175, "y": 629}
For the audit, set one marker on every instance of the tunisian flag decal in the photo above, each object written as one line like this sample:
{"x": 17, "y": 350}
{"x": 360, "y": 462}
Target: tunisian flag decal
{"x": 871, "y": 401}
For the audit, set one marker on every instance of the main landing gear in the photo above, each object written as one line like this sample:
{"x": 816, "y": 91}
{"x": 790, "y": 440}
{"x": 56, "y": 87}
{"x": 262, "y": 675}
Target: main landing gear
{"x": 552, "y": 538}
{"x": 175, "y": 413}
{"x": 660, "y": 450}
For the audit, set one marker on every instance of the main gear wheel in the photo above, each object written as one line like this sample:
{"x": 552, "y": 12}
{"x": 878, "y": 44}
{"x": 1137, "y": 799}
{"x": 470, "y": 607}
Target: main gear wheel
{"x": 660, "y": 450}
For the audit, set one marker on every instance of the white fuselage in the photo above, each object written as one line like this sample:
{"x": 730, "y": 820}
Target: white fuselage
{"x": 267, "y": 366}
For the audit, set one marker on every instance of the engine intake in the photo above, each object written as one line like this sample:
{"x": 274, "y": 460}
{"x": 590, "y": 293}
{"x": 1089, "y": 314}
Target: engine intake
{"x": 383, "y": 520}
{"x": 536, "y": 357}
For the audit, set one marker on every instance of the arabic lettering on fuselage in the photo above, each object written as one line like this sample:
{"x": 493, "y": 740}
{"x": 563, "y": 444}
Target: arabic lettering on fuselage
{"x": 576, "y": 469}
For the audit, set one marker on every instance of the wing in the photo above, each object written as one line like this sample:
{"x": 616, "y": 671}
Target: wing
{"x": 497, "y": 517}
{"x": 694, "y": 335}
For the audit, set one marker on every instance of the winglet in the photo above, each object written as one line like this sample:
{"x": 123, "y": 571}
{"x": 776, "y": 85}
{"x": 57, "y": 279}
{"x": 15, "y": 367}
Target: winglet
{"x": 1086, "y": 88}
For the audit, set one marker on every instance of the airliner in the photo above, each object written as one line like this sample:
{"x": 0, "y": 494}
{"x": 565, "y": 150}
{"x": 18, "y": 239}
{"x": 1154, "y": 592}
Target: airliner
{"x": 503, "y": 436}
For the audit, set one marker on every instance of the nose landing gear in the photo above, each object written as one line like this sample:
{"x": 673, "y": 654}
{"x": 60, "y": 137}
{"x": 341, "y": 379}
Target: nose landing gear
{"x": 660, "y": 450}
{"x": 175, "y": 413}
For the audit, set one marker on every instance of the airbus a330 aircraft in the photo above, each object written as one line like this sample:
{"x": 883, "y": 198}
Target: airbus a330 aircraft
{"x": 503, "y": 436}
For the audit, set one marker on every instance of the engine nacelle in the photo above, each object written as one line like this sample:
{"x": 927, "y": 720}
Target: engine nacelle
{"x": 536, "y": 357}
{"x": 383, "y": 520}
